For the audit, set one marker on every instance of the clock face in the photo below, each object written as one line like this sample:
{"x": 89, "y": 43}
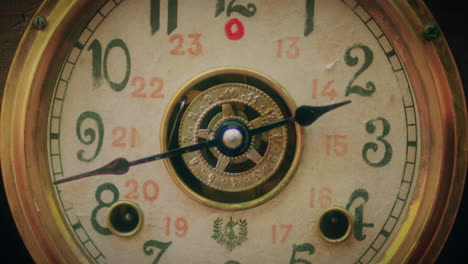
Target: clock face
{"x": 232, "y": 132}
{"x": 130, "y": 88}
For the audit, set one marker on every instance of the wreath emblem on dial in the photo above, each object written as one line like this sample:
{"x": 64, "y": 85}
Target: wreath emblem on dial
{"x": 233, "y": 234}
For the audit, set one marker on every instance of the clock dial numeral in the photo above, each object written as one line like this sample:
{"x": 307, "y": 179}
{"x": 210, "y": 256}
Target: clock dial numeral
{"x": 162, "y": 246}
{"x": 100, "y": 65}
{"x": 248, "y": 11}
{"x": 326, "y": 91}
{"x": 150, "y": 190}
{"x": 288, "y": 48}
{"x": 156, "y": 83}
{"x": 181, "y": 226}
{"x": 337, "y": 145}
{"x": 280, "y": 233}
{"x": 359, "y": 194}
{"x": 309, "y": 22}
{"x": 122, "y": 140}
{"x": 305, "y": 248}
{"x": 324, "y": 197}
{"x": 353, "y": 61}
{"x": 155, "y": 13}
{"x": 102, "y": 204}
{"x": 88, "y": 136}
{"x": 371, "y": 128}
{"x": 195, "y": 48}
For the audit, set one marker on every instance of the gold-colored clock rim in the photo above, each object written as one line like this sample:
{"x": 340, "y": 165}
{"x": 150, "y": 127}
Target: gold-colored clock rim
{"x": 433, "y": 76}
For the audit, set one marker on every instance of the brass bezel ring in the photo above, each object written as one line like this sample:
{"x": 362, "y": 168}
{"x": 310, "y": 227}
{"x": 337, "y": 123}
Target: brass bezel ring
{"x": 277, "y": 89}
{"x": 432, "y": 74}
{"x": 349, "y": 230}
{"x": 114, "y": 207}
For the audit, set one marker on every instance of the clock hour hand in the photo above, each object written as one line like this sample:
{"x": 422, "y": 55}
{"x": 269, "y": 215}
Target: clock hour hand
{"x": 304, "y": 116}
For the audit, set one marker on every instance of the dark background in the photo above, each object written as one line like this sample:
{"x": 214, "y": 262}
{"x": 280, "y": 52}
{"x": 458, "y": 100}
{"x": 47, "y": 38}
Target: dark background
{"x": 14, "y": 16}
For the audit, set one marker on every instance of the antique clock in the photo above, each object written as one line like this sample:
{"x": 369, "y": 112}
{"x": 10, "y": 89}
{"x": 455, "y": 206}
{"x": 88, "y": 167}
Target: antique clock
{"x": 214, "y": 131}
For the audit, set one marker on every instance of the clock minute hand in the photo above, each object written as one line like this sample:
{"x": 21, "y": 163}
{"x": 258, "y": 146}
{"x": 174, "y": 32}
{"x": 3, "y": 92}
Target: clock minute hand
{"x": 304, "y": 116}
{"x": 121, "y": 166}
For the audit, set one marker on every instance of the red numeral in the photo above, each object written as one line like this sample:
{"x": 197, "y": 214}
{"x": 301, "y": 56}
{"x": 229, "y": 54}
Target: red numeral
{"x": 336, "y": 145}
{"x": 150, "y": 190}
{"x": 289, "y": 47}
{"x": 139, "y": 91}
{"x": 121, "y": 140}
{"x": 234, "y": 29}
{"x": 140, "y": 84}
{"x": 276, "y": 230}
{"x": 133, "y": 185}
{"x": 325, "y": 197}
{"x": 158, "y": 83}
{"x": 180, "y": 224}
{"x": 195, "y": 48}
{"x": 327, "y": 90}
{"x": 179, "y": 39}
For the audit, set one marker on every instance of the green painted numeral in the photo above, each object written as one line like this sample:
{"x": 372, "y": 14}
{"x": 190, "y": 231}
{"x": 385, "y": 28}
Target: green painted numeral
{"x": 162, "y": 246}
{"x": 309, "y": 22}
{"x": 101, "y": 204}
{"x": 306, "y": 247}
{"x": 96, "y": 49}
{"x": 155, "y": 13}
{"x": 359, "y": 213}
{"x": 99, "y": 65}
{"x": 117, "y": 43}
{"x": 353, "y": 61}
{"x": 247, "y": 11}
{"x": 370, "y": 128}
{"x": 88, "y": 137}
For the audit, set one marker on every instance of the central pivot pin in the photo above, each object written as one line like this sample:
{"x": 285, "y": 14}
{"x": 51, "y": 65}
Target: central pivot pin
{"x": 232, "y": 138}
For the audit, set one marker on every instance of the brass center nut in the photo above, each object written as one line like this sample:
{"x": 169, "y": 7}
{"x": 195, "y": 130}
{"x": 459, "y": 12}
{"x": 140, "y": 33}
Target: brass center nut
{"x": 240, "y": 103}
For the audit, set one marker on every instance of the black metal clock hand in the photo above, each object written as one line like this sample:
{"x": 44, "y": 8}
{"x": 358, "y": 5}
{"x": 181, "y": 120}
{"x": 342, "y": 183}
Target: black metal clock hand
{"x": 304, "y": 116}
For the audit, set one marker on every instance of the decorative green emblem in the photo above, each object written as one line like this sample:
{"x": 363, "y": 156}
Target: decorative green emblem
{"x": 227, "y": 235}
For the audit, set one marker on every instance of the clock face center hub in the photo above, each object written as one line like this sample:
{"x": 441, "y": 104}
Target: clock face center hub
{"x": 223, "y": 107}
{"x": 233, "y": 137}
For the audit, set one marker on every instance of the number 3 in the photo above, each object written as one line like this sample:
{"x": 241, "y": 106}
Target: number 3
{"x": 370, "y": 128}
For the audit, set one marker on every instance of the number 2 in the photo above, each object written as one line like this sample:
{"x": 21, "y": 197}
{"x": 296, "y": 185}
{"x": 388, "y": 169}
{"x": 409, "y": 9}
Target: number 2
{"x": 353, "y": 61}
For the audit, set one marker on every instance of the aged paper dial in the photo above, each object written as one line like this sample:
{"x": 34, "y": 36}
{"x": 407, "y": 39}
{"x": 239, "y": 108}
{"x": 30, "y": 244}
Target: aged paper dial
{"x": 216, "y": 88}
{"x": 119, "y": 78}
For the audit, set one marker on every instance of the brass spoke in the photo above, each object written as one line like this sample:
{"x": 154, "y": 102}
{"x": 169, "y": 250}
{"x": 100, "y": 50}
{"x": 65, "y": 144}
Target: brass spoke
{"x": 205, "y": 134}
{"x": 253, "y": 155}
{"x": 256, "y": 122}
{"x": 228, "y": 111}
{"x": 222, "y": 163}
